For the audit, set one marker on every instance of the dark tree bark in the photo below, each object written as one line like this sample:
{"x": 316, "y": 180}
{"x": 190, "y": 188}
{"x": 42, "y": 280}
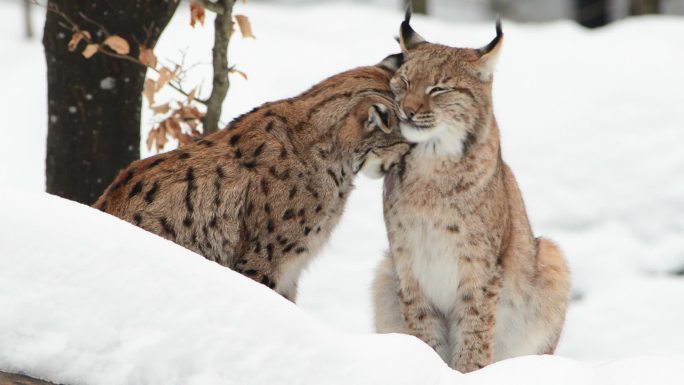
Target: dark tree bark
{"x": 592, "y": 13}
{"x": 419, "y": 6}
{"x": 644, "y": 7}
{"x": 94, "y": 104}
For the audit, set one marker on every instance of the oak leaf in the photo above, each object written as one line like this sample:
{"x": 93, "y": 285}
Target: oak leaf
{"x": 245, "y": 26}
{"x": 148, "y": 90}
{"x": 147, "y": 57}
{"x": 90, "y": 50}
{"x": 234, "y": 70}
{"x": 117, "y": 44}
{"x": 165, "y": 75}
{"x": 161, "y": 109}
{"x": 76, "y": 38}
{"x": 196, "y": 13}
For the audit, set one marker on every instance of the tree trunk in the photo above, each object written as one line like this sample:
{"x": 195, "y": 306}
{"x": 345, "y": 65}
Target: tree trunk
{"x": 94, "y": 104}
{"x": 644, "y": 7}
{"x": 591, "y": 13}
{"x": 419, "y": 6}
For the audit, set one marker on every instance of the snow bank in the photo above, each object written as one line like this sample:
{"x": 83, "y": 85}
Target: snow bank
{"x": 592, "y": 127}
{"x": 89, "y": 299}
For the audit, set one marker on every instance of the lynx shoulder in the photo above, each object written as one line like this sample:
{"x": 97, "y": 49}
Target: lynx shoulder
{"x": 264, "y": 194}
{"x": 464, "y": 272}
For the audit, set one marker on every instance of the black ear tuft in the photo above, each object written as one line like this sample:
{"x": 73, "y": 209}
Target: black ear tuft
{"x": 409, "y": 11}
{"x": 408, "y": 38}
{"x": 392, "y": 62}
{"x": 499, "y": 35}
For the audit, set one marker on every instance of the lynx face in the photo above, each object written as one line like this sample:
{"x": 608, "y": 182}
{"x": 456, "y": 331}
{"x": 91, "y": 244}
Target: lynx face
{"x": 447, "y": 106}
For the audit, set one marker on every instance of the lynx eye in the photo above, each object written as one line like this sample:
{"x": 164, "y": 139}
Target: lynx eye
{"x": 436, "y": 90}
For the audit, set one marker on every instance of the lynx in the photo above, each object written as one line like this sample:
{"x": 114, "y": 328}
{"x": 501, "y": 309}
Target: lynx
{"x": 263, "y": 195}
{"x": 464, "y": 272}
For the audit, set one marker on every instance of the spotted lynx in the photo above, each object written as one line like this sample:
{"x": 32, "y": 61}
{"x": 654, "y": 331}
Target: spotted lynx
{"x": 263, "y": 195}
{"x": 464, "y": 272}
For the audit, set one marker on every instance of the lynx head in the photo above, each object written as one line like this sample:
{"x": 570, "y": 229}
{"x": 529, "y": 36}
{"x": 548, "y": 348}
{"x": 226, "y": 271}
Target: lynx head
{"x": 443, "y": 94}
{"x": 378, "y": 143}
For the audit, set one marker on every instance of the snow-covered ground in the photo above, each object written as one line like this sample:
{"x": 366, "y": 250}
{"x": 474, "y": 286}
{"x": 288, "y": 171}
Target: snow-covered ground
{"x": 592, "y": 125}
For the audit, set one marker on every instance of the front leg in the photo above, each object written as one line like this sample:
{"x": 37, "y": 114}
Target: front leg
{"x": 420, "y": 317}
{"x": 474, "y": 317}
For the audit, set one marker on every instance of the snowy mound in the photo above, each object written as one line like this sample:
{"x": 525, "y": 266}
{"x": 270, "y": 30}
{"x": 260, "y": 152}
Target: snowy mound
{"x": 89, "y": 299}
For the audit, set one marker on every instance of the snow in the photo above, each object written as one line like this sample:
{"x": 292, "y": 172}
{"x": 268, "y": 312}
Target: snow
{"x": 592, "y": 128}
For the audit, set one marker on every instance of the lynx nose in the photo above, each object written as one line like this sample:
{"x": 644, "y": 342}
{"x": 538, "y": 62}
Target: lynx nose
{"x": 410, "y": 112}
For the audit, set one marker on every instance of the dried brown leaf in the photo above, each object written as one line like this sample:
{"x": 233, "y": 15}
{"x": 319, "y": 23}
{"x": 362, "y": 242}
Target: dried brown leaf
{"x": 90, "y": 50}
{"x": 147, "y": 57}
{"x": 117, "y": 44}
{"x": 150, "y": 138}
{"x": 191, "y": 95}
{"x": 196, "y": 13}
{"x": 76, "y": 38}
{"x": 237, "y": 71}
{"x": 161, "y": 109}
{"x": 148, "y": 90}
{"x": 160, "y": 137}
{"x": 165, "y": 75}
{"x": 245, "y": 26}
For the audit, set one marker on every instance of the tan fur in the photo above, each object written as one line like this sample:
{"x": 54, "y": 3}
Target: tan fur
{"x": 263, "y": 195}
{"x": 464, "y": 272}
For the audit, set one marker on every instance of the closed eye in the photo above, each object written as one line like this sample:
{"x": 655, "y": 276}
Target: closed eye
{"x": 436, "y": 90}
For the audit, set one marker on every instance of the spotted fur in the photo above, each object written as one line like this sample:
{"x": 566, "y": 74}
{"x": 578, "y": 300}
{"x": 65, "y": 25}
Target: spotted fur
{"x": 464, "y": 272}
{"x": 264, "y": 194}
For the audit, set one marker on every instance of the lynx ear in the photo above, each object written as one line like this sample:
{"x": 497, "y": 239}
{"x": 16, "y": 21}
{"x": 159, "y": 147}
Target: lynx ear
{"x": 378, "y": 118}
{"x": 408, "y": 38}
{"x": 490, "y": 53}
{"x": 392, "y": 62}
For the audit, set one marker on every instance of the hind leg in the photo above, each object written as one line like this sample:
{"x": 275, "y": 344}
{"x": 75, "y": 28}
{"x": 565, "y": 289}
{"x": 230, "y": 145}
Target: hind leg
{"x": 553, "y": 288}
{"x": 531, "y": 311}
{"x": 386, "y": 307}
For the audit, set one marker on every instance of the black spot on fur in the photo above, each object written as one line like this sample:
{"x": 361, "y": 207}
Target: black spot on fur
{"x": 307, "y": 230}
{"x": 453, "y": 228}
{"x": 166, "y": 226}
{"x": 319, "y": 208}
{"x": 289, "y": 247}
{"x": 213, "y": 222}
{"x": 264, "y": 186}
{"x": 187, "y": 222}
{"x": 183, "y": 155}
{"x": 300, "y": 250}
{"x": 269, "y": 251}
{"x": 249, "y": 209}
{"x": 293, "y": 192}
{"x": 249, "y": 165}
{"x": 283, "y": 153}
{"x": 155, "y": 163}
{"x": 269, "y": 127}
{"x": 267, "y": 281}
{"x": 238, "y": 154}
{"x": 149, "y": 197}
{"x": 267, "y": 208}
{"x": 137, "y": 188}
{"x": 190, "y": 179}
{"x": 251, "y": 272}
{"x": 205, "y": 142}
{"x": 333, "y": 176}
{"x": 270, "y": 226}
{"x": 288, "y": 214}
{"x": 219, "y": 172}
{"x": 301, "y": 212}
{"x": 234, "y": 139}
{"x": 137, "y": 218}
{"x": 259, "y": 149}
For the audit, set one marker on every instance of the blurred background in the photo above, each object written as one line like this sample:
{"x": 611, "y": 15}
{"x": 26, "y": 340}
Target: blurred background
{"x": 590, "y": 13}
